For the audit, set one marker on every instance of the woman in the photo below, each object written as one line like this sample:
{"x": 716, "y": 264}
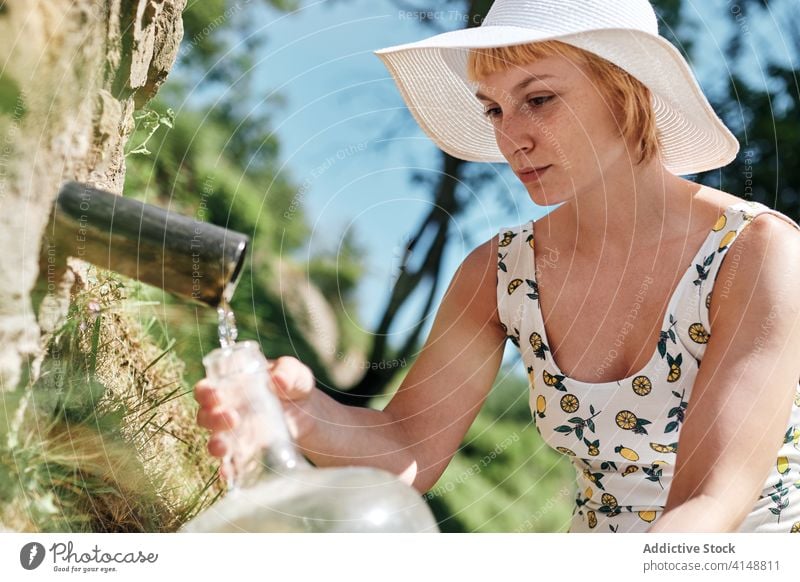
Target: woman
{"x": 612, "y": 333}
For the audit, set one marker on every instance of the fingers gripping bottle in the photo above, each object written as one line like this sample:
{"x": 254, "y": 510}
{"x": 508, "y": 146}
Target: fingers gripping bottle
{"x": 274, "y": 488}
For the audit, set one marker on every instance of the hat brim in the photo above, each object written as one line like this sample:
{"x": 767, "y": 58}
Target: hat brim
{"x": 431, "y": 77}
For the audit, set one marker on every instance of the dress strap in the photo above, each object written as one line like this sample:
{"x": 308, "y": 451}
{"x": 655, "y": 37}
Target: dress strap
{"x": 514, "y": 276}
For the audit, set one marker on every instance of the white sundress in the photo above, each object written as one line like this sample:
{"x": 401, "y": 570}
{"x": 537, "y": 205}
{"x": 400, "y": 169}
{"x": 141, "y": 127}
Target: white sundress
{"x": 622, "y": 437}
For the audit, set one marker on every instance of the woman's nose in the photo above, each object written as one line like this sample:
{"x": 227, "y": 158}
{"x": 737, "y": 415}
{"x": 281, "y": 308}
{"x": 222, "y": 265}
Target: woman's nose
{"x": 514, "y": 133}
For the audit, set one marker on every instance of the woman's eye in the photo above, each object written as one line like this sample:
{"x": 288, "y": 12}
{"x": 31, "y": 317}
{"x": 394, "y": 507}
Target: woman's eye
{"x": 533, "y": 102}
{"x": 539, "y": 101}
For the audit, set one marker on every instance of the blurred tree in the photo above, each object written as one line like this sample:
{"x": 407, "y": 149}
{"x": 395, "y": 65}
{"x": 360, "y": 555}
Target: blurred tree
{"x": 763, "y": 108}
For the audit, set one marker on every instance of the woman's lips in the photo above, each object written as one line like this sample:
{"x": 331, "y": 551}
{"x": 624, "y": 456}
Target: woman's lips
{"x": 532, "y": 175}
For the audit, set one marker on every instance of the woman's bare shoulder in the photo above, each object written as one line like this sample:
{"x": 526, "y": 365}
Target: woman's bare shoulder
{"x": 473, "y": 288}
{"x": 719, "y": 197}
{"x": 724, "y": 200}
{"x": 481, "y": 260}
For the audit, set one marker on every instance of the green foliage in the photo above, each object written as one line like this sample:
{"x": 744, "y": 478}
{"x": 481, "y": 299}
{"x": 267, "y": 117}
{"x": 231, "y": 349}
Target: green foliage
{"x": 150, "y": 121}
{"x": 508, "y": 399}
{"x": 11, "y": 102}
{"x": 191, "y": 170}
{"x": 504, "y": 478}
{"x": 202, "y": 22}
{"x": 209, "y": 26}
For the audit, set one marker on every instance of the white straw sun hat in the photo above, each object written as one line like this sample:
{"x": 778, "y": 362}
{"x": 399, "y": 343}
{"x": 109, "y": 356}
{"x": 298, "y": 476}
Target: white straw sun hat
{"x": 432, "y": 76}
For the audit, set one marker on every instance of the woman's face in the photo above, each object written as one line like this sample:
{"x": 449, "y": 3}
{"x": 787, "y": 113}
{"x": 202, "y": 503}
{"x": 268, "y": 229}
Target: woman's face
{"x": 549, "y": 115}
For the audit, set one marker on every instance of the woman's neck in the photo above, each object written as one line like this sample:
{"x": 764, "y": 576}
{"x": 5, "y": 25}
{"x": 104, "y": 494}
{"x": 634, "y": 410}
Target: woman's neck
{"x": 642, "y": 210}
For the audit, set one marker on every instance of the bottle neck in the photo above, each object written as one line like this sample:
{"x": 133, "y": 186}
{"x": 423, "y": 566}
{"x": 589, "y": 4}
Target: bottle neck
{"x": 265, "y": 426}
{"x": 276, "y": 457}
{"x": 282, "y": 457}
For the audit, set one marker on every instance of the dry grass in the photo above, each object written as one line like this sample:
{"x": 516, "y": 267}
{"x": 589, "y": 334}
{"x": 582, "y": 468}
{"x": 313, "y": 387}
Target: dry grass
{"x": 106, "y": 439}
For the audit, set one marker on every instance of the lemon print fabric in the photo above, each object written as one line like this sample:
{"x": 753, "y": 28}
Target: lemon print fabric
{"x": 674, "y": 367}
{"x": 570, "y": 403}
{"x": 659, "y": 448}
{"x": 537, "y": 345}
{"x": 648, "y": 516}
{"x": 541, "y": 406}
{"x": 627, "y": 453}
{"x": 622, "y": 435}
{"x": 514, "y": 285}
{"x": 554, "y": 380}
{"x": 629, "y": 470}
{"x": 627, "y": 420}
{"x": 609, "y": 501}
{"x": 698, "y": 333}
{"x": 642, "y": 385}
{"x": 727, "y": 239}
{"x": 508, "y": 236}
{"x": 592, "y": 519}
{"x": 592, "y": 447}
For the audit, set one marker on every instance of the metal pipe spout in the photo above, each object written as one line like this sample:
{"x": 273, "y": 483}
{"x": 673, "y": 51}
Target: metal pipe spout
{"x": 182, "y": 255}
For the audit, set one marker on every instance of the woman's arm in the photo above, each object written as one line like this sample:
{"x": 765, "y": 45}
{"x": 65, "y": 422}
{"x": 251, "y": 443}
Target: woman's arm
{"x": 743, "y": 393}
{"x": 419, "y": 431}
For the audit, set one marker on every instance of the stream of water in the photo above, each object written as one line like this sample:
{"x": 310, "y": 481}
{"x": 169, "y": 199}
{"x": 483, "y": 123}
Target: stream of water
{"x": 226, "y": 324}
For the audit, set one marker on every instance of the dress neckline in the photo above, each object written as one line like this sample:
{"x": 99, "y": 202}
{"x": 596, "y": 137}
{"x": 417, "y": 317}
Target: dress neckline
{"x": 665, "y": 320}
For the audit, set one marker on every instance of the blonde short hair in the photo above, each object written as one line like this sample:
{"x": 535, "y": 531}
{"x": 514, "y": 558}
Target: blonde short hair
{"x": 629, "y": 99}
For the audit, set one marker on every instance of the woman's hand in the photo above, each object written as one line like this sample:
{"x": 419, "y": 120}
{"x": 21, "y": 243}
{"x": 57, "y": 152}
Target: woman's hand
{"x": 293, "y": 383}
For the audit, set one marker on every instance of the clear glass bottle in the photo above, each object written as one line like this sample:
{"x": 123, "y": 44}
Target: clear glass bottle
{"x": 275, "y": 489}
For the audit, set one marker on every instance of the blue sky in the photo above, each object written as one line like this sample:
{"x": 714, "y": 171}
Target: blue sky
{"x": 348, "y": 141}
